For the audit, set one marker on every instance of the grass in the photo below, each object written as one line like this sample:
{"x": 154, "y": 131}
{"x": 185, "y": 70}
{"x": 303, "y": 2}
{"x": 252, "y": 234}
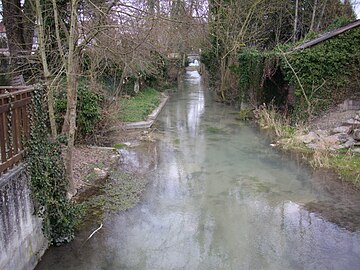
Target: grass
{"x": 168, "y": 86}
{"x": 347, "y": 165}
{"x": 244, "y": 115}
{"x": 269, "y": 118}
{"x": 137, "y": 108}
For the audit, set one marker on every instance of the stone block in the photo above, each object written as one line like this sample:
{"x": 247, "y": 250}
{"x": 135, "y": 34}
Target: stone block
{"x": 341, "y": 129}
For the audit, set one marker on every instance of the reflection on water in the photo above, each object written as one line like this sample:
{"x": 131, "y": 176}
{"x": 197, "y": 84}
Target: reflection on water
{"x": 220, "y": 198}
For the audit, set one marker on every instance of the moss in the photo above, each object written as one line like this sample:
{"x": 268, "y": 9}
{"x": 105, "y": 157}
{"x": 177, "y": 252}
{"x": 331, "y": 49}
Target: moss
{"x": 120, "y": 192}
{"x": 215, "y": 130}
{"x": 90, "y": 177}
{"x": 118, "y": 146}
{"x": 177, "y": 141}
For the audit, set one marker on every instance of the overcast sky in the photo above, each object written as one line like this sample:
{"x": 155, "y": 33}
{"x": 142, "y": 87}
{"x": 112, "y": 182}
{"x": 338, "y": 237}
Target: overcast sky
{"x": 357, "y": 10}
{"x": 356, "y": 5}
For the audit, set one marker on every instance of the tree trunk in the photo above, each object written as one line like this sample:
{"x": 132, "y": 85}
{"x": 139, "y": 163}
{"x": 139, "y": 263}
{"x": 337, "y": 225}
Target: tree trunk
{"x": 313, "y": 17}
{"x": 28, "y": 22}
{"x": 41, "y": 36}
{"x": 296, "y": 20}
{"x": 12, "y": 20}
{"x": 71, "y": 79}
{"x": 12, "y": 15}
{"x": 72, "y": 95}
{"x": 321, "y": 16}
{"x": 57, "y": 31}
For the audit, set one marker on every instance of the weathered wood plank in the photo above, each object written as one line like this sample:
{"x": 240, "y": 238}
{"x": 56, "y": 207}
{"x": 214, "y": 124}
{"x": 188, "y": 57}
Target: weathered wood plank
{"x": 326, "y": 36}
{"x": 10, "y": 162}
{"x": 2, "y": 137}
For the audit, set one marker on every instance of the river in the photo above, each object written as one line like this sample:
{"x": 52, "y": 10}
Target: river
{"x": 219, "y": 197}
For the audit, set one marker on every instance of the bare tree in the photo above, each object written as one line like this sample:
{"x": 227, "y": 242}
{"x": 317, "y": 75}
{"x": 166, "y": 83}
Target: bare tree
{"x": 234, "y": 24}
{"x": 313, "y": 16}
{"x": 296, "y": 18}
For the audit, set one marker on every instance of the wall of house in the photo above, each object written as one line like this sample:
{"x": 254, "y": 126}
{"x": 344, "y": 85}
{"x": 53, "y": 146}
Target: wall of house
{"x": 21, "y": 240}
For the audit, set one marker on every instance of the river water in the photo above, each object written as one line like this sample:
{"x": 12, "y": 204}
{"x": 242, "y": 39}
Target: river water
{"x": 219, "y": 197}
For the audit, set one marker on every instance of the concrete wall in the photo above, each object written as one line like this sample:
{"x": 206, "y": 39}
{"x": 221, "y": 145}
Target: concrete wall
{"x": 21, "y": 241}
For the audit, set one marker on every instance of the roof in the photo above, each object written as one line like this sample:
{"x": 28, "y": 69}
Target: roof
{"x": 326, "y": 36}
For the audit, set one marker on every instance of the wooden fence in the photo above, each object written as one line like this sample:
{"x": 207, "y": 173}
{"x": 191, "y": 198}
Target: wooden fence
{"x": 14, "y": 124}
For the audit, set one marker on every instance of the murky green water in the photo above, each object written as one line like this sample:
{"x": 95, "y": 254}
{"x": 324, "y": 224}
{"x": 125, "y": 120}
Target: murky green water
{"x": 220, "y": 198}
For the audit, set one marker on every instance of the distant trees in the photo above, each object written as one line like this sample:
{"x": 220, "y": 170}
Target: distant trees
{"x": 234, "y": 24}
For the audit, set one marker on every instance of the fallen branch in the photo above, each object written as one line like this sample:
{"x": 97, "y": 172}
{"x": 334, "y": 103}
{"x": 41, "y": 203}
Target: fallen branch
{"x": 92, "y": 234}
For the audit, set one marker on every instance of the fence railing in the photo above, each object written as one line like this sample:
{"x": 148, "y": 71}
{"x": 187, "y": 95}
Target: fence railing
{"x": 14, "y": 124}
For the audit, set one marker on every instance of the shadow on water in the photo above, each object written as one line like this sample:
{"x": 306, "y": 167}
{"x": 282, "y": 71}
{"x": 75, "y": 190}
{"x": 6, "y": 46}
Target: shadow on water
{"x": 343, "y": 206}
{"x": 220, "y": 198}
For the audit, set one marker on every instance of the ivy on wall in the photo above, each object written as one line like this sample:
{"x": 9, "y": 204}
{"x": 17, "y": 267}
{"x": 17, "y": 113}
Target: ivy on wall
{"x": 250, "y": 73}
{"x": 328, "y": 71}
{"x": 324, "y": 74}
{"x": 47, "y": 177}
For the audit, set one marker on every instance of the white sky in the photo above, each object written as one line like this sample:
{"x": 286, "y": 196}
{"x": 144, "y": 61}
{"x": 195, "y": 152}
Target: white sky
{"x": 356, "y": 6}
{"x": 357, "y": 10}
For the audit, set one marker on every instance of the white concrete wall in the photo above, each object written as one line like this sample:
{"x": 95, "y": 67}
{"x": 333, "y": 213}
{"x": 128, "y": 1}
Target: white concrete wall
{"x": 21, "y": 241}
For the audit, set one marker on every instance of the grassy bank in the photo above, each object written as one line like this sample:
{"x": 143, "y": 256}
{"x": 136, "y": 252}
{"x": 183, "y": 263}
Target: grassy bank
{"x": 344, "y": 162}
{"x": 347, "y": 165}
{"x": 137, "y": 108}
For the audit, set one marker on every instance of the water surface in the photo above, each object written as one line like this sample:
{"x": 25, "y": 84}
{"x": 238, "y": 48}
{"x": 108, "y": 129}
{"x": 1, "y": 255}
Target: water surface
{"x": 220, "y": 198}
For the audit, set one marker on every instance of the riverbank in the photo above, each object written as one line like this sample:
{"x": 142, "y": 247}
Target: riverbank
{"x": 130, "y": 122}
{"x": 103, "y": 183}
{"x": 330, "y": 141}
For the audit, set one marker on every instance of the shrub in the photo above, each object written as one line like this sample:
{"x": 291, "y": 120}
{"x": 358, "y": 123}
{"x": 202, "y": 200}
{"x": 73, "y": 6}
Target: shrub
{"x": 88, "y": 109}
